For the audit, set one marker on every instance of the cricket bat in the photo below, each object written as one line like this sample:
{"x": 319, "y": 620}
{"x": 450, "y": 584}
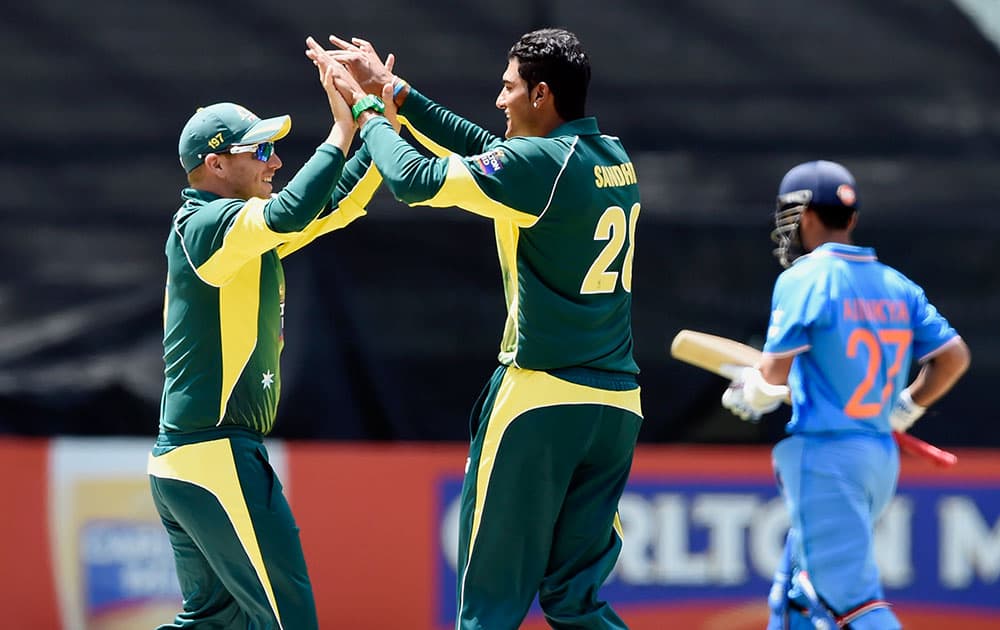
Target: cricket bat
{"x": 725, "y": 357}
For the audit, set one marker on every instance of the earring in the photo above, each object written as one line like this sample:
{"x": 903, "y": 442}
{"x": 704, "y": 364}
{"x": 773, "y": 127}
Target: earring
{"x": 535, "y": 104}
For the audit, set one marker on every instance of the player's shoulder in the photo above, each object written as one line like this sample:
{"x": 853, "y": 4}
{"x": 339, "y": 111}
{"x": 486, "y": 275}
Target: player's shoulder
{"x": 539, "y": 146}
{"x": 524, "y": 154}
{"x": 899, "y": 279}
{"x": 807, "y": 266}
{"x": 197, "y": 200}
{"x": 206, "y": 213}
{"x": 892, "y": 271}
{"x": 220, "y": 207}
{"x": 808, "y": 275}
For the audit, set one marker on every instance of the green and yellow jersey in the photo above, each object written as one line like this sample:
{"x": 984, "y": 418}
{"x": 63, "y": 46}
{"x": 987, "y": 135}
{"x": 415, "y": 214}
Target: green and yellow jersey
{"x": 564, "y": 208}
{"x": 225, "y": 294}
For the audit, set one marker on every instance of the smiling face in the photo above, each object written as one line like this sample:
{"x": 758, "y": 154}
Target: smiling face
{"x": 251, "y": 177}
{"x": 241, "y": 176}
{"x": 515, "y": 100}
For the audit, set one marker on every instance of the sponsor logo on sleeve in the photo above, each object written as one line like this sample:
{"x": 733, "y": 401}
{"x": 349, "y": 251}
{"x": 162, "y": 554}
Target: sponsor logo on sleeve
{"x": 490, "y": 162}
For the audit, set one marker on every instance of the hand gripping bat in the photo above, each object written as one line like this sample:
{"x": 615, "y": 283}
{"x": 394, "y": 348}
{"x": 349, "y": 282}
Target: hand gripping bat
{"x": 725, "y": 357}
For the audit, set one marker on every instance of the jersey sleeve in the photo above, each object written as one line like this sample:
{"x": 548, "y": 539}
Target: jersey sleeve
{"x": 355, "y": 189}
{"x": 797, "y": 305}
{"x": 226, "y": 234}
{"x": 441, "y": 130}
{"x": 307, "y": 194}
{"x": 931, "y": 331}
{"x": 513, "y": 181}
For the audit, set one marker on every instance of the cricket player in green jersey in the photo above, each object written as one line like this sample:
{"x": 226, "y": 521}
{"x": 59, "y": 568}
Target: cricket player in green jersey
{"x": 236, "y": 545}
{"x": 554, "y": 431}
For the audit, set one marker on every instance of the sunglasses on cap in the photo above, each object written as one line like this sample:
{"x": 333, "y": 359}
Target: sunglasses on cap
{"x": 261, "y": 151}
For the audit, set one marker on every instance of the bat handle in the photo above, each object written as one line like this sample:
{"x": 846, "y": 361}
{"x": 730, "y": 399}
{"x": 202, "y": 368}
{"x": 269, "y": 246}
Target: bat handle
{"x": 730, "y": 370}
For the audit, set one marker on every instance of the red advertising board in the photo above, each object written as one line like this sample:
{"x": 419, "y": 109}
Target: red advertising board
{"x": 378, "y": 544}
{"x": 79, "y": 543}
{"x": 27, "y": 586}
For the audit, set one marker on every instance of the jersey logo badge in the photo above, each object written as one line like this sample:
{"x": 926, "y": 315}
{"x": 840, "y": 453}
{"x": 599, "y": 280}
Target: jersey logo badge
{"x": 845, "y": 192}
{"x": 774, "y": 329}
{"x": 490, "y": 162}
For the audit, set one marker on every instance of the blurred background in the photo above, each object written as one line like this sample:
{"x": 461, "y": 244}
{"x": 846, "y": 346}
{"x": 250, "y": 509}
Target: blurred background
{"x": 393, "y": 324}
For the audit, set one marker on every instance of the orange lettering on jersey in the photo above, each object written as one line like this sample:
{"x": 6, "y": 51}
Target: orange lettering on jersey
{"x": 850, "y": 313}
{"x": 875, "y": 311}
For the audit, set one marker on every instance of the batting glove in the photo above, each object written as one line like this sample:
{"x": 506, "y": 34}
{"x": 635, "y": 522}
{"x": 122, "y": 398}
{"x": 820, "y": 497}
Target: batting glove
{"x": 905, "y": 412}
{"x": 749, "y": 396}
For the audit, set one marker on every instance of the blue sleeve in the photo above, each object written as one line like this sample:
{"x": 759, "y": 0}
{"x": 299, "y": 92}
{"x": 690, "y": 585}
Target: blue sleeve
{"x": 930, "y": 329}
{"x": 798, "y": 305}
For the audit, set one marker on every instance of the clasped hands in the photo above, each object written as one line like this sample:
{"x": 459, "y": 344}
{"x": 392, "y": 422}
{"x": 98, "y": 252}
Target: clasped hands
{"x": 355, "y": 69}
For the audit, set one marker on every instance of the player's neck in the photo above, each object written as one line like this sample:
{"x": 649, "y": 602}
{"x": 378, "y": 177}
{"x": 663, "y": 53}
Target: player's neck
{"x": 838, "y": 237}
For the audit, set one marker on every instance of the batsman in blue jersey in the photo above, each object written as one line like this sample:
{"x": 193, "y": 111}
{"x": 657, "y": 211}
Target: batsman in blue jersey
{"x": 843, "y": 332}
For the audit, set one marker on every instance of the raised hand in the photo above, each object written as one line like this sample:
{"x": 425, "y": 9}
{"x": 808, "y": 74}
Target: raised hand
{"x": 338, "y": 104}
{"x": 333, "y": 74}
{"x": 364, "y": 63}
{"x": 340, "y": 96}
{"x": 339, "y": 107}
{"x": 390, "y": 107}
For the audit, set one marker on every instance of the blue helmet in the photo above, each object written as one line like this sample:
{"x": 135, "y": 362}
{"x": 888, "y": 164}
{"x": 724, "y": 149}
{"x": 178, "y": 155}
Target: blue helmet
{"x": 817, "y": 184}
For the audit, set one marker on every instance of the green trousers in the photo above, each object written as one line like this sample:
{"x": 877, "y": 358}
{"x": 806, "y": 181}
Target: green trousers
{"x": 539, "y": 514}
{"x": 236, "y": 545}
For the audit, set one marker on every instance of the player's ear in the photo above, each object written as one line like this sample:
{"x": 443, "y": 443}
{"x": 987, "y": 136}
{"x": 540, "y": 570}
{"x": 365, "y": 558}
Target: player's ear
{"x": 540, "y": 93}
{"x": 852, "y": 222}
{"x": 807, "y": 217}
{"x": 213, "y": 163}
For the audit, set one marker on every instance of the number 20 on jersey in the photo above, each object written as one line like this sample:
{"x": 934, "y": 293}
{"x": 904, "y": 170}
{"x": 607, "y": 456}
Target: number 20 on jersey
{"x": 618, "y": 230}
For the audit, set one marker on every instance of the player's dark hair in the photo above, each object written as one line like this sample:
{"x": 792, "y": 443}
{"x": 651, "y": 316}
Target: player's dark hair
{"x": 555, "y": 56}
{"x": 833, "y": 217}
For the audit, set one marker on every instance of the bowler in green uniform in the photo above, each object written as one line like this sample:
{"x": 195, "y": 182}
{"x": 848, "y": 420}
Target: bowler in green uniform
{"x": 554, "y": 431}
{"x": 236, "y": 545}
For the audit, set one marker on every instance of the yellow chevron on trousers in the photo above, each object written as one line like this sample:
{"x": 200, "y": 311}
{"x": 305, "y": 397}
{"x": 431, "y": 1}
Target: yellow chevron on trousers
{"x": 535, "y": 390}
{"x": 211, "y": 465}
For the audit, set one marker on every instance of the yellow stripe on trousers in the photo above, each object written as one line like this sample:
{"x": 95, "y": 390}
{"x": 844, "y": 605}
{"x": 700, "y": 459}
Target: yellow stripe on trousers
{"x": 520, "y": 392}
{"x": 211, "y": 465}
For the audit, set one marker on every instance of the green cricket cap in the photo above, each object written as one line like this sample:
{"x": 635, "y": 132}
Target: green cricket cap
{"x": 222, "y": 125}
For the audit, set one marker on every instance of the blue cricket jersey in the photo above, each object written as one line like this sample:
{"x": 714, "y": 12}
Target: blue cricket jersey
{"x": 854, "y": 326}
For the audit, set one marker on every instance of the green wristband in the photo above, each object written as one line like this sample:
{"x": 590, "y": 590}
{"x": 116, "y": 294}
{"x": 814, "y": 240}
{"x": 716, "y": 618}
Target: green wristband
{"x": 368, "y": 101}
